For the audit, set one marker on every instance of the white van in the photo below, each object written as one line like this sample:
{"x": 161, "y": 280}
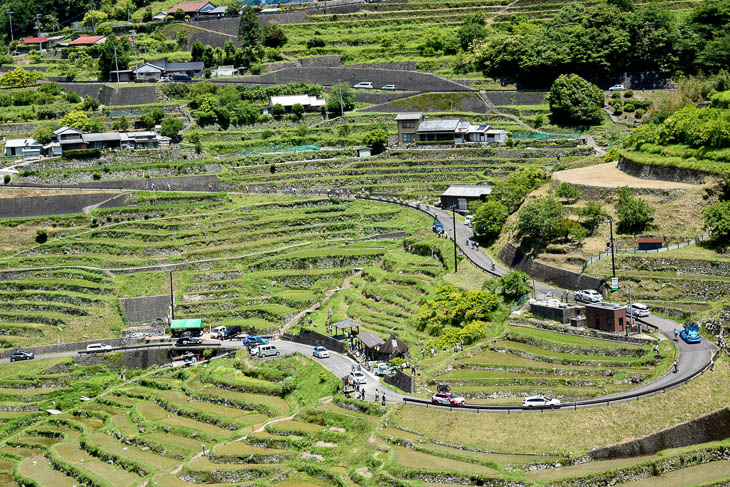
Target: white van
{"x": 266, "y": 350}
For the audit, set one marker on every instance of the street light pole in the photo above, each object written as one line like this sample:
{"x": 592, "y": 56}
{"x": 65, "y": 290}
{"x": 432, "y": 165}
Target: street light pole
{"x": 453, "y": 214}
{"x": 10, "y": 18}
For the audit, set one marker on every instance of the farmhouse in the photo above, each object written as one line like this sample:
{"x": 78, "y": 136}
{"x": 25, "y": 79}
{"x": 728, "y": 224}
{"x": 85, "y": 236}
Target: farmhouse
{"x": 192, "y": 8}
{"x": 310, "y": 103}
{"x": 650, "y": 243}
{"x": 155, "y": 70}
{"x": 48, "y": 41}
{"x": 26, "y": 148}
{"x": 458, "y": 196}
{"x": 85, "y": 41}
{"x": 68, "y": 138}
{"x": 606, "y": 317}
{"x": 413, "y": 128}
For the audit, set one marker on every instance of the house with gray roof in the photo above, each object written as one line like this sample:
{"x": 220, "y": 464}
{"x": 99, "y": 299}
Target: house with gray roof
{"x": 412, "y": 127}
{"x": 25, "y": 148}
{"x": 458, "y": 196}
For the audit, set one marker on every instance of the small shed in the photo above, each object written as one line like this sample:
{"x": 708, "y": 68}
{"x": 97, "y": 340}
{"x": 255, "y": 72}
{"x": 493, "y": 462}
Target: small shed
{"x": 192, "y": 327}
{"x": 347, "y": 325}
{"x": 123, "y": 75}
{"x": 650, "y": 243}
{"x": 371, "y": 343}
{"x": 364, "y": 152}
{"x": 606, "y": 317}
{"x": 459, "y": 196}
{"x": 393, "y": 348}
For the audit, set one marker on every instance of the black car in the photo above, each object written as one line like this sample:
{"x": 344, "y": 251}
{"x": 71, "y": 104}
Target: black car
{"x": 231, "y": 332}
{"x": 21, "y": 355}
{"x": 185, "y": 341}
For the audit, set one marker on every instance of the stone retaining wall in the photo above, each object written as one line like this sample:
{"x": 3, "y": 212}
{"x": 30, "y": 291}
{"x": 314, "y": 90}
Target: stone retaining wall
{"x": 68, "y": 347}
{"x": 713, "y": 426}
{"x": 662, "y": 173}
{"x": 684, "y": 266}
{"x": 65, "y": 204}
{"x": 516, "y": 97}
{"x": 111, "y": 95}
{"x": 403, "y": 65}
{"x": 402, "y": 381}
{"x": 312, "y": 338}
{"x": 182, "y": 183}
{"x": 378, "y": 98}
{"x": 145, "y": 309}
{"x": 433, "y": 102}
{"x": 518, "y": 259}
{"x": 131, "y": 359}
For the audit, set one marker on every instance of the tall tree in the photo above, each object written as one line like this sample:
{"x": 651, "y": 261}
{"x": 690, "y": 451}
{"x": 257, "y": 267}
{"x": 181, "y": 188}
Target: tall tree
{"x": 249, "y": 32}
{"x": 575, "y": 101}
{"x": 107, "y": 63}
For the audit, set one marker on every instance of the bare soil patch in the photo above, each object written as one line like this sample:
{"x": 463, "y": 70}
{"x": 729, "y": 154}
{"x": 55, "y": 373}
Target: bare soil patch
{"x": 609, "y": 176}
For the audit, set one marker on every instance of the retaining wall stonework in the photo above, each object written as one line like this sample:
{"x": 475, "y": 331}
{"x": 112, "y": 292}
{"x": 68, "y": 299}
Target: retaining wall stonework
{"x": 433, "y": 102}
{"x": 312, "y": 338}
{"x": 68, "y": 347}
{"x": 378, "y": 98}
{"x": 518, "y": 259}
{"x": 145, "y": 309}
{"x": 516, "y": 97}
{"x": 411, "y": 80}
{"x": 662, "y": 173}
{"x": 55, "y": 205}
{"x": 402, "y": 381}
{"x": 713, "y": 426}
{"x": 131, "y": 359}
{"x": 111, "y": 95}
{"x": 684, "y": 266}
{"x": 182, "y": 183}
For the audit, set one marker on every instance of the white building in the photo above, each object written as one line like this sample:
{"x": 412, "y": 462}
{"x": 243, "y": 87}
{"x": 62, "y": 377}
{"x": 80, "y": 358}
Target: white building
{"x": 25, "y": 148}
{"x": 309, "y": 102}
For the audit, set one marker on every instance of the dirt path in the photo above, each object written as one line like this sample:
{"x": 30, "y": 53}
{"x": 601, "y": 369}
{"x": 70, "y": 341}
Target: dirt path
{"x": 610, "y": 176}
{"x": 316, "y": 306}
{"x": 490, "y": 20}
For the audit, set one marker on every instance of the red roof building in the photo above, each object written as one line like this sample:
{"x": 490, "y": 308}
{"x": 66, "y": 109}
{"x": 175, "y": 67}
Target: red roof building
{"x": 650, "y": 243}
{"x": 191, "y": 8}
{"x": 87, "y": 41}
{"x": 34, "y": 41}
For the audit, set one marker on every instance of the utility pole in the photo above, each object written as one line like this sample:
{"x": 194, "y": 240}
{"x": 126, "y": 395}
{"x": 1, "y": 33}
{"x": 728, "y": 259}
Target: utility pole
{"x": 453, "y": 215}
{"x": 116, "y": 64}
{"x": 38, "y": 27}
{"x": 10, "y": 18}
{"x": 133, "y": 32}
{"x": 172, "y": 299}
{"x": 613, "y": 261}
{"x": 342, "y": 108}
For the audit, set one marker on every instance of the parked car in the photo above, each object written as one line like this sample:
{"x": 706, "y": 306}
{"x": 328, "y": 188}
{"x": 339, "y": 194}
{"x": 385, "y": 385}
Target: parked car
{"x": 382, "y": 369}
{"x": 540, "y": 402}
{"x": 588, "y": 296}
{"x": 254, "y": 339}
{"x": 97, "y": 347}
{"x": 388, "y": 87}
{"x": 185, "y": 341}
{"x": 218, "y": 332}
{"x": 320, "y": 352}
{"x": 437, "y": 227}
{"x": 467, "y": 220}
{"x": 359, "y": 377}
{"x": 21, "y": 355}
{"x": 638, "y": 310}
{"x": 364, "y": 85}
{"x": 231, "y": 332}
{"x": 617, "y": 88}
{"x": 691, "y": 333}
{"x": 263, "y": 350}
{"x": 448, "y": 399}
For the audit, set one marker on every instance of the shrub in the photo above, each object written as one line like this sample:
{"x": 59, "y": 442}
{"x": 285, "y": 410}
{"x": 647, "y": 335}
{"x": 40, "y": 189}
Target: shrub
{"x": 567, "y": 191}
{"x": 573, "y": 100}
{"x": 278, "y": 110}
{"x": 81, "y": 154}
{"x": 639, "y": 113}
{"x": 629, "y": 108}
{"x": 96, "y": 176}
{"x": 41, "y": 236}
{"x": 634, "y": 214}
{"x": 539, "y": 220}
{"x": 6, "y": 179}
{"x": 514, "y": 285}
{"x": 628, "y": 93}
{"x": 315, "y": 42}
{"x": 489, "y": 219}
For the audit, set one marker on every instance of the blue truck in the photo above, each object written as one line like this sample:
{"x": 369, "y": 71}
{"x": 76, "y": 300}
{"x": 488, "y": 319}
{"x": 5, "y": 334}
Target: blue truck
{"x": 691, "y": 333}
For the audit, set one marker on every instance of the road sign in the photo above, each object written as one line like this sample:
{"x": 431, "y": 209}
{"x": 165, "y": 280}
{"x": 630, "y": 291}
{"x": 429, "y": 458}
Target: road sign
{"x": 614, "y": 283}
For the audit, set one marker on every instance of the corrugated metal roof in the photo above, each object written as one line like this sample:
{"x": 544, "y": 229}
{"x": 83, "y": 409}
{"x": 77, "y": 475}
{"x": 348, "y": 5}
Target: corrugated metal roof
{"x": 650, "y": 240}
{"x": 467, "y": 191}
{"x": 409, "y": 116}
{"x": 370, "y": 340}
{"x": 21, "y": 143}
{"x": 101, "y": 137}
{"x": 86, "y": 40}
{"x": 446, "y": 125}
{"x": 183, "y": 324}
{"x": 347, "y": 324}
{"x": 192, "y": 66}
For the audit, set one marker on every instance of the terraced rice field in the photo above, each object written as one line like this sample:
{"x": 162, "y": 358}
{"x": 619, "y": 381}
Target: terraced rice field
{"x": 427, "y": 171}
{"x": 524, "y": 361}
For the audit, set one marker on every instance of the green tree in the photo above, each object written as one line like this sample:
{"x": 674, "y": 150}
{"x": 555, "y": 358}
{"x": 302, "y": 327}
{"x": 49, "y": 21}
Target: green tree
{"x": 20, "y": 77}
{"x": 195, "y": 140}
{"x": 634, "y": 214}
{"x": 717, "y": 220}
{"x": 298, "y": 111}
{"x": 79, "y": 120}
{"x": 273, "y": 35}
{"x": 377, "y": 139}
{"x": 278, "y": 110}
{"x": 90, "y": 104}
{"x": 575, "y": 101}
{"x": 450, "y": 307}
{"x": 249, "y": 32}
{"x": 514, "y": 285}
{"x": 472, "y": 29}
{"x": 539, "y": 221}
{"x": 121, "y": 124}
{"x": 179, "y": 14}
{"x": 98, "y": 17}
{"x": 340, "y": 91}
{"x": 107, "y": 62}
{"x": 152, "y": 117}
{"x": 592, "y": 213}
{"x": 171, "y": 127}
{"x": 567, "y": 191}
{"x": 197, "y": 50}
{"x": 489, "y": 219}
{"x": 44, "y": 133}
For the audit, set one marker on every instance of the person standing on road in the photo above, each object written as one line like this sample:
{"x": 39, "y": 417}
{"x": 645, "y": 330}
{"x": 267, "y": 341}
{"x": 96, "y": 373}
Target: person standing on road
{"x": 383, "y": 399}
{"x": 712, "y": 364}
{"x": 676, "y": 367}
{"x": 676, "y": 334}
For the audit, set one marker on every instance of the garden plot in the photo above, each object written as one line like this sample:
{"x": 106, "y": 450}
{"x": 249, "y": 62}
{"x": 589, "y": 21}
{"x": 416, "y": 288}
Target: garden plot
{"x": 407, "y": 457}
{"x": 37, "y": 469}
{"x": 111, "y": 446}
{"x": 72, "y": 456}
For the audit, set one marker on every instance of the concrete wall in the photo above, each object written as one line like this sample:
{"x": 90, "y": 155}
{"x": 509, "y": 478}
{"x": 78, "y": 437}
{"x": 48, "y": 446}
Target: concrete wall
{"x": 145, "y": 309}
{"x": 433, "y": 102}
{"x": 518, "y": 259}
{"x": 409, "y": 80}
{"x": 713, "y": 426}
{"x": 662, "y": 173}
{"x": 55, "y": 205}
{"x": 131, "y": 359}
{"x": 310, "y": 337}
{"x": 378, "y": 98}
{"x": 561, "y": 315}
{"x": 515, "y": 97}
{"x": 182, "y": 183}
{"x": 83, "y": 89}
{"x": 68, "y": 347}
{"x": 111, "y": 95}
{"x": 402, "y": 381}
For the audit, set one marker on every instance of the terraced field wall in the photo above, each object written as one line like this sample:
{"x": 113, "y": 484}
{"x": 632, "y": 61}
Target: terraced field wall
{"x": 64, "y": 347}
{"x": 55, "y": 205}
{"x": 145, "y": 309}
{"x": 110, "y": 96}
{"x": 662, "y": 173}
{"x": 518, "y": 259}
{"x": 130, "y": 359}
{"x": 310, "y": 337}
{"x": 181, "y": 183}
{"x": 402, "y": 381}
{"x": 409, "y": 80}
{"x": 713, "y": 426}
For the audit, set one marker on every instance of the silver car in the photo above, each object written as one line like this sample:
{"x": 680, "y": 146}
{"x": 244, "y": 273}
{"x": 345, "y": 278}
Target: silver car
{"x": 588, "y": 296}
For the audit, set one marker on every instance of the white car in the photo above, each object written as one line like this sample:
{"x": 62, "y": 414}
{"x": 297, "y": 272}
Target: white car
{"x": 637, "y": 309}
{"x": 467, "y": 220}
{"x": 588, "y": 296}
{"x": 617, "y": 88}
{"x": 359, "y": 377}
{"x": 447, "y": 399}
{"x": 97, "y": 347}
{"x": 364, "y": 85}
{"x": 388, "y": 87}
{"x": 320, "y": 352}
{"x": 540, "y": 402}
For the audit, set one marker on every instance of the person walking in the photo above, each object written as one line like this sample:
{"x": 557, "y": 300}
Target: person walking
{"x": 676, "y": 334}
{"x": 383, "y": 399}
{"x": 203, "y": 449}
{"x": 712, "y": 364}
{"x": 423, "y": 353}
{"x": 676, "y": 367}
